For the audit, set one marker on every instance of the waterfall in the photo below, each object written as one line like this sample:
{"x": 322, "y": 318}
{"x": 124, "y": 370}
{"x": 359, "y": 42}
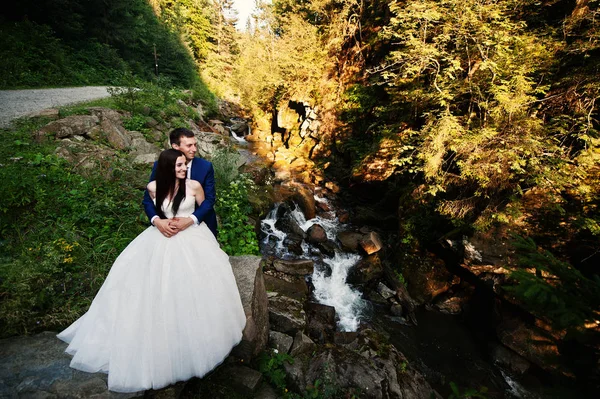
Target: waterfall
{"x": 329, "y": 288}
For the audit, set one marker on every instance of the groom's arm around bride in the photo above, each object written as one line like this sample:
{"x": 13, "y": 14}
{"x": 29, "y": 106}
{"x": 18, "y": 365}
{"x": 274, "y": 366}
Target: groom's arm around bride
{"x": 200, "y": 170}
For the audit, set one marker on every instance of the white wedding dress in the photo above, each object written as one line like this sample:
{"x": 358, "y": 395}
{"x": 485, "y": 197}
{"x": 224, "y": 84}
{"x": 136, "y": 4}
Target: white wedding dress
{"x": 168, "y": 311}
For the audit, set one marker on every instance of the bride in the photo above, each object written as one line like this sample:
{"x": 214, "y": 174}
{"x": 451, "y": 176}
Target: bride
{"x": 169, "y": 309}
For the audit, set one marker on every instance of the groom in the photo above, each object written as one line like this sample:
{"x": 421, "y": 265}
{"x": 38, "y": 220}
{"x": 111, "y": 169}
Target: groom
{"x": 198, "y": 169}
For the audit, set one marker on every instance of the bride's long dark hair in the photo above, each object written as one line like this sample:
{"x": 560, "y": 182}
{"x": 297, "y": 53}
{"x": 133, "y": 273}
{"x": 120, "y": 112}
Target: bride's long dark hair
{"x": 166, "y": 181}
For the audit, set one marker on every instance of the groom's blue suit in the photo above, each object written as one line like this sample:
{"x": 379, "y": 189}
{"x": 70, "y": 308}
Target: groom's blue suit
{"x": 203, "y": 172}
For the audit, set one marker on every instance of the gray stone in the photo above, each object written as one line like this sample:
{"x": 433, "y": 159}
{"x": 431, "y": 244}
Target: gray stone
{"x": 70, "y": 126}
{"x": 396, "y": 309}
{"x": 37, "y": 367}
{"x": 327, "y": 247}
{"x": 142, "y": 150}
{"x": 294, "y": 372}
{"x": 349, "y": 240}
{"x": 321, "y": 321}
{"x": 286, "y": 315}
{"x": 243, "y": 379}
{"x": 266, "y": 391}
{"x": 510, "y": 360}
{"x": 112, "y": 126}
{"x": 302, "y": 344}
{"x": 280, "y": 341}
{"x": 251, "y": 284}
{"x": 297, "y": 267}
{"x": 208, "y": 142}
{"x": 385, "y": 291}
{"x": 373, "y": 376}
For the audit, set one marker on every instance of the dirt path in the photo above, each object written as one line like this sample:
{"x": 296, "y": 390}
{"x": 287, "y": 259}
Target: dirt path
{"x": 17, "y": 103}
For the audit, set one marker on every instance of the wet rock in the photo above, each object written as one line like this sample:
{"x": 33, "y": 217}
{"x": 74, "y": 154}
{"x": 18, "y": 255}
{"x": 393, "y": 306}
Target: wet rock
{"x": 368, "y": 271}
{"x": 286, "y": 315}
{"x": 280, "y": 341}
{"x": 306, "y": 200}
{"x": 344, "y": 337}
{"x": 294, "y": 244}
{"x": 343, "y": 216}
{"x": 288, "y": 225}
{"x": 251, "y": 285}
{"x": 239, "y": 126}
{"x": 323, "y": 206}
{"x": 287, "y": 285}
{"x": 296, "y": 267}
{"x": 67, "y": 127}
{"x": 321, "y": 321}
{"x": 408, "y": 303}
{"x": 350, "y": 240}
{"x": 396, "y": 310}
{"x": 371, "y": 243}
{"x": 327, "y": 248}
{"x": 316, "y": 234}
{"x": 302, "y": 344}
{"x": 510, "y": 360}
{"x": 385, "y": 291}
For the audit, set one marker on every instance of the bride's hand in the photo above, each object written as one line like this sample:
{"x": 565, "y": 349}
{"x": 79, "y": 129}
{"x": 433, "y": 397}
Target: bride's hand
{"x": 182, "y": 223}
{"x": 165, "y": 227}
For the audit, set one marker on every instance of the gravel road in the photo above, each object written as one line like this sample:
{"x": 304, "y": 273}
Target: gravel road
{"x": 17, "y": 103}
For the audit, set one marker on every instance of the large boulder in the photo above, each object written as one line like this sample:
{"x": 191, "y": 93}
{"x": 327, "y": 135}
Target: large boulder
{"x": 286, "y": 315}
{"x": 38, "y": 367}
{"x": 207, "y": 142}
{"x": 75, "y": 125}
{"x": 365, "y": 368}
{"x": 426, "y": 275}
{"x": 316, "y": 234}
{"x": 142, "y": 150}
{"x": 295, "y": 267}
{"x": 251, "y": 284}
{"x": 112, "y": 127}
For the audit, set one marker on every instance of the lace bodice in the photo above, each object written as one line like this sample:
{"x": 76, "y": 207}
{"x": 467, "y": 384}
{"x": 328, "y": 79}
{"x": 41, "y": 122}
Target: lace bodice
{"x": 186, "y": 208}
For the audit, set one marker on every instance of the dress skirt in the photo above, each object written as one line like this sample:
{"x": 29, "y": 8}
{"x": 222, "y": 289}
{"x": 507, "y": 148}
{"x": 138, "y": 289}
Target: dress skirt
{"x": 168, "y": 311}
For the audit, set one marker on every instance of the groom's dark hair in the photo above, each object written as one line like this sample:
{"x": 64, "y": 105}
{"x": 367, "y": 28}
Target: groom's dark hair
{"x": 176, "y": 135}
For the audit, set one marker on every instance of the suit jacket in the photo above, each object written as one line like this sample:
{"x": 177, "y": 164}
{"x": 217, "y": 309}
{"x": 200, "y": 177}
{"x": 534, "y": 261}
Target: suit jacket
{"x": 203, "y": 172}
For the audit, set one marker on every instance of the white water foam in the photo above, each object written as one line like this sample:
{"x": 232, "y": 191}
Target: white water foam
{"x": 329, "y": 290}
{"x": 334, "y": 291}
{"x": 516, "y": 390}
{"x": 240, "y": 139}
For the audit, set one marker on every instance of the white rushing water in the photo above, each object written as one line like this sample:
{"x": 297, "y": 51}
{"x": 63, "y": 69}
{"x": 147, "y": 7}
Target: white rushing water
{"x": 333, "y": 291}
{"x": 330, "y": 289}
{"x": 516, "y": 390}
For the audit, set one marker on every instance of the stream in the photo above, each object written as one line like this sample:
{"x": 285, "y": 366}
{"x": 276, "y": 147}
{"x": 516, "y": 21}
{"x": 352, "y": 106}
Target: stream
{"x": 444, "y": 348}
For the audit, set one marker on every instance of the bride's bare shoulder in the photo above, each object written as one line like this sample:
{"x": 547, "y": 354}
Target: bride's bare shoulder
{"x": 152, "y": 186}
{"x": 193, "y": 185}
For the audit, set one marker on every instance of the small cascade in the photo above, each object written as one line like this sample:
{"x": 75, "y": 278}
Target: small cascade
{"x": 239, "y": 139}
{"x": 330, "y": 273}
